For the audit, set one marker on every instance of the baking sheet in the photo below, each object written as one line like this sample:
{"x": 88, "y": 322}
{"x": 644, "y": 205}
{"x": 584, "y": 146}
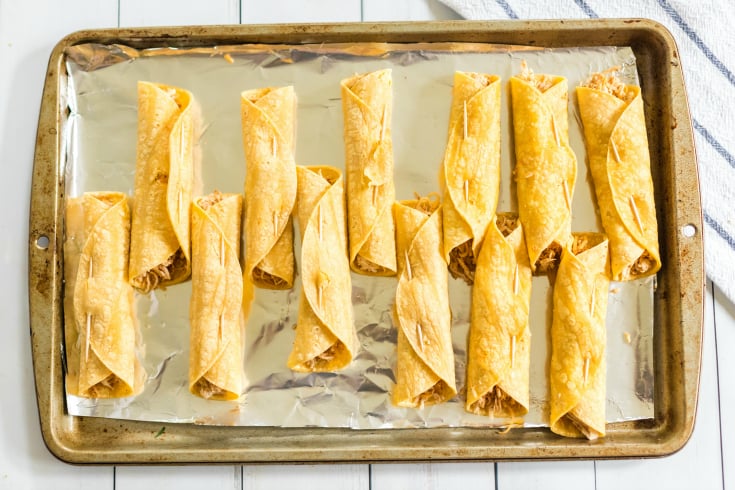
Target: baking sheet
{"x": 100, "y": 136}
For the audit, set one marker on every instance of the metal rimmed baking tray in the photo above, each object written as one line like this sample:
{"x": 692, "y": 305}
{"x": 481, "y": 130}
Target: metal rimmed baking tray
{"x": 678, "y": 298}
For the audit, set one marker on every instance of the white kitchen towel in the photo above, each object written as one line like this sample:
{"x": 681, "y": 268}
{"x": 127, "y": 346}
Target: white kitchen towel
{"x": 704, "y": 35}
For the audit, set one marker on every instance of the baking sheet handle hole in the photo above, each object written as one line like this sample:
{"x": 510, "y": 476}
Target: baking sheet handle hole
{"x": 689, "y": 230}
{"x": 42, "y": 242}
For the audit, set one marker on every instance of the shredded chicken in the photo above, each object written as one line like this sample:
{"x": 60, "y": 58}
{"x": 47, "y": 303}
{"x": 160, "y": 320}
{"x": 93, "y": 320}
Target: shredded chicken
{"x": 643, "y": 264}
{"x": 506, "y": 223}
{"x": 104, "y": 387}
{"x": 209, "y": 390}
{"x": 431, "y": 396}
{"x": 171, "y": 268}
{"x": 578, "y": 424}
{"x": 541, "y": 82}
{"x": 207, "y": 202}
{"x": 462, "y": 262}
{"x": 483, "y": 79}
{"x": 497, "y": 402}
{"x": 262, "y": 277}
{"x": 369, "y": 266}
{"x": 609, "y": 82}
{"x": 321, "y": 362}
{"x": 549, "y": 258}
{"x": 585, "y": 241}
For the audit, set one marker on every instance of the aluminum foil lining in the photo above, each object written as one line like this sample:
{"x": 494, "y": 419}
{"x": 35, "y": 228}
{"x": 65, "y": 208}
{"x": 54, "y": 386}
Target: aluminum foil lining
{"x": 100, "y": 139}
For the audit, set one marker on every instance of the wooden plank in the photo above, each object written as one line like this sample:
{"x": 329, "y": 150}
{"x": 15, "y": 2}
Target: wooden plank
{"x": 178, "y": 12}
{"x": 28, "y": 33}
{"x": 725, "y": 337}
{"x": 699, "y": 463}
{"x": 384, "y": 10}
{"x": 277, "y": 11}
{"x": 562, "y": 475}
{"x": 433, "y": 476}
{"x": 177, "y": 477}
{"x": 307, "y": 477}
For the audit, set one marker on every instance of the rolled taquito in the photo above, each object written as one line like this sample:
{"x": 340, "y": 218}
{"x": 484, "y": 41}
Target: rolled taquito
{"x": 325, "y": 331}
{"x": 367, "y": 107}
{"x": 164, "y": 175}
{"x": 100, "y": 328}
{"x": 617, "y": 148}
{"x": 578, "y": 338}
{"x": 470, "y": 173}
{"x": 216, "y": 335}
{"x": 546, "y": 168}
{"x": 424, "y": 371}
{"x": 499, "y": 345}
{"x": 268, "y": 125}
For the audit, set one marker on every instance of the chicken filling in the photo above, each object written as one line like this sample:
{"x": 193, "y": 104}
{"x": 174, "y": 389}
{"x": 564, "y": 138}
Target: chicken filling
{"x": 609, "y": 82}
{"x": 208, "y": 390}
{"x": 549, "y": 258}
{"x": 496, "y": 401}
{"x": 174, "y": 266}
{"x": 462, "y": 262}
{"x": 323, "y": 360}
{"x": 432, "y": 396}
{"x": 541, "y": 82}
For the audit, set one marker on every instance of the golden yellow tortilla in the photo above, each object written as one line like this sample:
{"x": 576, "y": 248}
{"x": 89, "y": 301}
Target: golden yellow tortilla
{"x": 425, "y": 360}
{"x": 325, "y": 330}
{"x": 100, "y": 329}
{"x": 164, "y": 176}
{"x": 216, "y": 336}
{"x": 367, "y": 106}
{"x": 546, "y": 168}
{"x": 499, "y": 349}
{"x": 268, "y": 126}
{"x": 617, "y": 146}
{"x": 470, "y": 174}
{"x": 577, "y": 368}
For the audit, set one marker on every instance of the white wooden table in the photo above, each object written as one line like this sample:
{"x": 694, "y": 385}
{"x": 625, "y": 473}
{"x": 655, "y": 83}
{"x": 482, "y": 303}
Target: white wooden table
{"x": 28, "y": 31}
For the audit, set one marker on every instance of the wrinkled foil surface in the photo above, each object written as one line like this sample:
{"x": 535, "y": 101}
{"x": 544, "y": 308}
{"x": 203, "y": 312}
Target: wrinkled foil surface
{"x": 100, "y": 138}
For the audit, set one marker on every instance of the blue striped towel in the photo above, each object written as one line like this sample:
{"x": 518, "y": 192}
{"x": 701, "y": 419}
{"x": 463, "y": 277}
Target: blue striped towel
{"x": 702, "y": 30}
